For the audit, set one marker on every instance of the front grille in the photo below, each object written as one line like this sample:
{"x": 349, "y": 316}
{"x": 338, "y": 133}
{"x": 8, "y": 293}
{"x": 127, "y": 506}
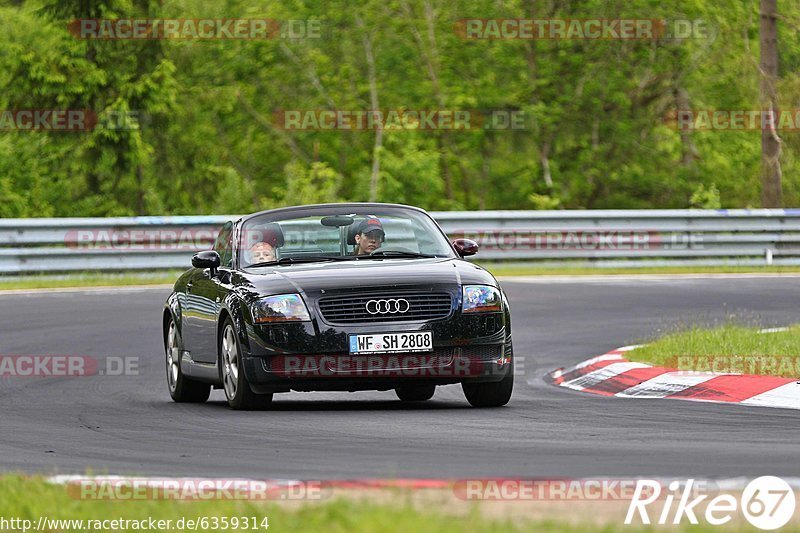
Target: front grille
{"x": 352, "y": 309}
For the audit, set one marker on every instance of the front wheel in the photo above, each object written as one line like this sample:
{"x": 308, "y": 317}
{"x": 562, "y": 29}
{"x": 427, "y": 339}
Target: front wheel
{"x": 181, "y": 388}
{"x": 237, "y": 390}
{"x": 490, "y": 394}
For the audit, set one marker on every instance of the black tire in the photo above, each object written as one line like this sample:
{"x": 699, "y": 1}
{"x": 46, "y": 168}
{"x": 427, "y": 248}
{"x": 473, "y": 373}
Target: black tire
{"x": 237, "y": 390}
{"x": 494, "y": 394}
{"x": 181, "y": 388}
{"x": 415, "y": 393}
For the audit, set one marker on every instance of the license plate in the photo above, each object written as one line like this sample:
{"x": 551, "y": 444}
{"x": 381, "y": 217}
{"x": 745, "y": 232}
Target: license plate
{"x": 417, "y": 341}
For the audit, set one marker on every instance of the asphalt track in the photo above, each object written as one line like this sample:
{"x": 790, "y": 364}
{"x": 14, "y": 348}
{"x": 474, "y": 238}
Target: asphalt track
{"x": 128, "y": 424}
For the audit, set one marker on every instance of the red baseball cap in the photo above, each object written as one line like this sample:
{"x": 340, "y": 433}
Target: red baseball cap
{"x": 370, "y": 224}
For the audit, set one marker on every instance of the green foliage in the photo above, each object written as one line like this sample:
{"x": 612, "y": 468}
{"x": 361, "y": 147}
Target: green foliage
{"x": 198, "y": 129}
{"x": 703, "y": 198}
{"x": 314, "y": 184}
{"x": 543, "y": 201}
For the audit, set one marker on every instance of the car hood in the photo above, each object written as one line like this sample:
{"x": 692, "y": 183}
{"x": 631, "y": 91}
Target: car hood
{"x": 324, "y": 277}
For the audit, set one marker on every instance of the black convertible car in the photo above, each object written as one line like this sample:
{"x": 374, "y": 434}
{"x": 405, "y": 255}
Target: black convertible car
{"x": 337, "y": 297}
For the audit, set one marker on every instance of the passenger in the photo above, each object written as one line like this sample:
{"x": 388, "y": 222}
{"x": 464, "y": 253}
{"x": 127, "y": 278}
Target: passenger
{"x": 265, "y": 241}
{"x": 262, "y": 252}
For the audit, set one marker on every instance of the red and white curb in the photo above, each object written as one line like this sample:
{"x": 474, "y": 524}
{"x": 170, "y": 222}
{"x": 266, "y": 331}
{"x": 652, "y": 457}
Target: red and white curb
{"x": 612, "y": 374}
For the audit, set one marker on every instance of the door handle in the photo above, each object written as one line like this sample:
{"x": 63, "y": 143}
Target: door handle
{"x": 189, "y": 287}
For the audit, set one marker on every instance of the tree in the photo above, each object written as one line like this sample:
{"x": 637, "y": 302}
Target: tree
{"x": 770, "y": 142}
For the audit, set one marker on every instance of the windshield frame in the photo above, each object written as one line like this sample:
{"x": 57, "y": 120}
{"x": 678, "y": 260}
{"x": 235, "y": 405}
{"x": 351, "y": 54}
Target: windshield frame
{"x": 359, "y": 209}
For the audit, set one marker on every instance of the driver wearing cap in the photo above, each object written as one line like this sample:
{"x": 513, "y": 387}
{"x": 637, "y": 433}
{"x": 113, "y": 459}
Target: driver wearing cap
{"x": 369, "y": 236}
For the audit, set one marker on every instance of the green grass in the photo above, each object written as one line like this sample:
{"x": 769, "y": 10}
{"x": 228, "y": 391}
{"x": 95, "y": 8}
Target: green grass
{"x": 31, "y": 498}
{"x": 89, "y": 279}
{"x": 726, "y": 348}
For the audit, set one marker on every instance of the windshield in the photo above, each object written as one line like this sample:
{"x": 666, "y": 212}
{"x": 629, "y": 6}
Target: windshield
{"x": 339, "y": 235}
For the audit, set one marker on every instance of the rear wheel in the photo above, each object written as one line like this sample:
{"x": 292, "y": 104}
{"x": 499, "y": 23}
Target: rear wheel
{"x": 415, "y": 393}
{"x": 237, "y": 390}
{"x": 490, "y": 394}
{"x": 181, "y": 388}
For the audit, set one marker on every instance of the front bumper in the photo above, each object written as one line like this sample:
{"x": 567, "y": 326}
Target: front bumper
{"x": 474, "y": 363}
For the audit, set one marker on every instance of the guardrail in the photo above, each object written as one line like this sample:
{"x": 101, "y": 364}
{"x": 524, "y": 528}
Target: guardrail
{"x": 603, "y": 238}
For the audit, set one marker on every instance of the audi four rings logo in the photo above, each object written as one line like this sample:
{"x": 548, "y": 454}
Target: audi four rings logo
{"x": 386, "y": 307}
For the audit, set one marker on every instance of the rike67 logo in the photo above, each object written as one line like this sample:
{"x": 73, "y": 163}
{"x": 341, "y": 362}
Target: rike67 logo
{"x": 766, "y": 502}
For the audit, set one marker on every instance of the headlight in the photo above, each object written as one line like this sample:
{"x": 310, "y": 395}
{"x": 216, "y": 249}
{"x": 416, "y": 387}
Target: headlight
{"x": 481, "y": 299}
{"x": 280, "y": 308}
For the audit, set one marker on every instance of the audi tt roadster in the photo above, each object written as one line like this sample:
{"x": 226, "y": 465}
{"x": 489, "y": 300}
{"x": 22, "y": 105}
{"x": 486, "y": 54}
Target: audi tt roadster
{"x": 337, "y": 297}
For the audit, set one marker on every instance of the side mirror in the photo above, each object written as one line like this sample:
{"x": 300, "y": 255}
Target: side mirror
{"x": 465, "y": 247}
{"x": 207, "y": 259}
